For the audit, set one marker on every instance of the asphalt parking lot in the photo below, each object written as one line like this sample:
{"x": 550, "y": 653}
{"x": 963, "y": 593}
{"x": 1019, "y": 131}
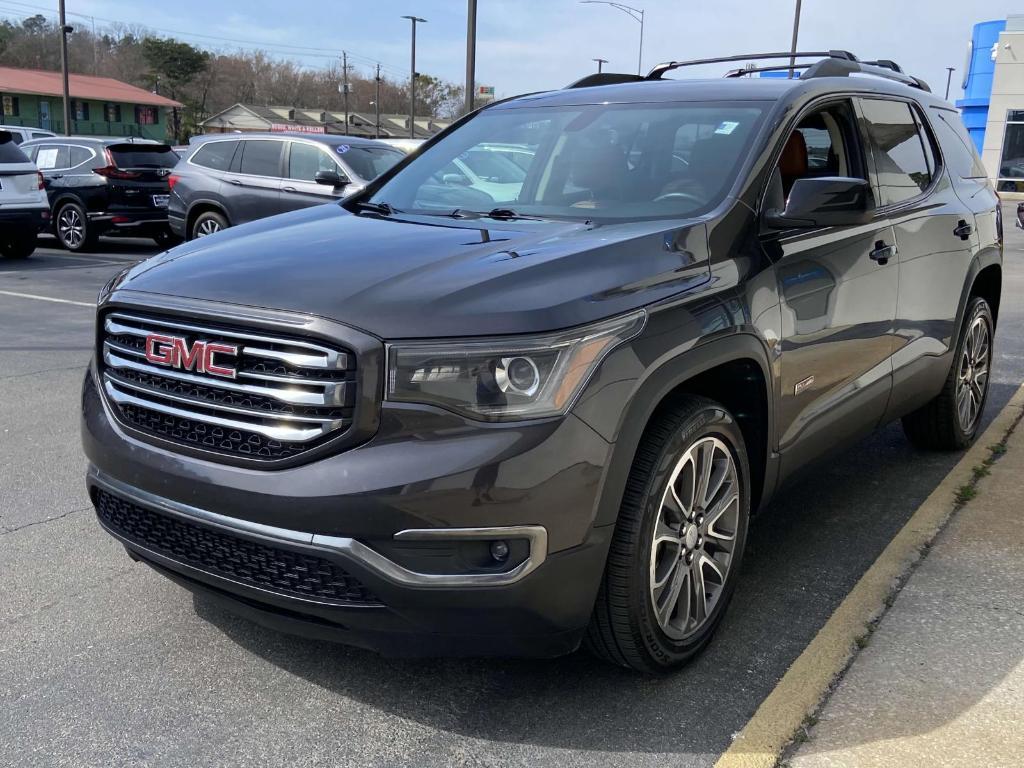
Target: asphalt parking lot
{"x": 102, "y": 662}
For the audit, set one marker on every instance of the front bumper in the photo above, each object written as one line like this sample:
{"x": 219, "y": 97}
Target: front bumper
{"x": 534, "y": 486}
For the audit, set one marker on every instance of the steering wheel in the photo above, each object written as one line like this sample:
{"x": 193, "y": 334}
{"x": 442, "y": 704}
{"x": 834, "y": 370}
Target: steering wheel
{"x": 683, "y": 195}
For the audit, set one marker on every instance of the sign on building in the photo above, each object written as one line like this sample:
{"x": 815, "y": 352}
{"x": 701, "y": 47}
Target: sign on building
{"x": 285, "y": 127}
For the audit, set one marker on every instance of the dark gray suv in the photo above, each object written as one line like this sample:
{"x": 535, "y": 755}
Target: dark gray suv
{"x": 231, "y": 179}
{"x": 511, "y": 418}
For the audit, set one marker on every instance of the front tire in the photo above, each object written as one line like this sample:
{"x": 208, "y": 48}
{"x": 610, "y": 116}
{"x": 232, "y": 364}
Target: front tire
{"x": 951, "y": 421}
{"x": 678, "y": 542}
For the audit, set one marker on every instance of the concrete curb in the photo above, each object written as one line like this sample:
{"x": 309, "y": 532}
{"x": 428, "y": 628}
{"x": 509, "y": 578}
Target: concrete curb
{"x": 802, "y": 689}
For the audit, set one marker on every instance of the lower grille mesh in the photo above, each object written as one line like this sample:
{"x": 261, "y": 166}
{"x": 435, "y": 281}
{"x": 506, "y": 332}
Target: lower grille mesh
{"x": 241, "y": 560}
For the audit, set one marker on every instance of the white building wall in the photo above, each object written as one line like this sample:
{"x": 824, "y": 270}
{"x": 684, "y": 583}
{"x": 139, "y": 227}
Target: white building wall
{"x": 1007, "y": 94}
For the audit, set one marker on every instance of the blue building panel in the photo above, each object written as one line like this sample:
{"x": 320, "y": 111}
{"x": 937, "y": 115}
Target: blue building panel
{"x": 978, "y": 81}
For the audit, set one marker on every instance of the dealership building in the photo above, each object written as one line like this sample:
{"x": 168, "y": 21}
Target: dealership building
{"x": 993, "y": 102}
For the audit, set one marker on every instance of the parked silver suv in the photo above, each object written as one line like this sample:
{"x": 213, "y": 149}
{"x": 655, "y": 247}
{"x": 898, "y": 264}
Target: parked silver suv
{"x": 233, "y": 179}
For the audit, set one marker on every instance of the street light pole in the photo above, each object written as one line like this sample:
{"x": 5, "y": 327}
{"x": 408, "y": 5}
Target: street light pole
{"x": 796, "y": 34}
{"x": 376, "y": 107}
{"x": 412, "y": 77}
{"x": 599, "y": 63}
{"x": 470, "y": 55}
{"x": 949, "y": 77}
{"x": 344, "y": 78}
{"x": 64, "y": 31}
{"x": 637, "y": 14}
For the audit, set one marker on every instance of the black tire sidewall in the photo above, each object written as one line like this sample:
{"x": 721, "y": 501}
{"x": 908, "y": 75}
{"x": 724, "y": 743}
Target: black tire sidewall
{"x": 709, "y": 421}
{"x": 977, "y": 307}
{"x": 19, "y": 245}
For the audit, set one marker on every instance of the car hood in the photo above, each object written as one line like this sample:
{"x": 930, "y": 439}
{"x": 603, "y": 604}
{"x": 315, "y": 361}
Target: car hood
{"x": 421, "y": 277}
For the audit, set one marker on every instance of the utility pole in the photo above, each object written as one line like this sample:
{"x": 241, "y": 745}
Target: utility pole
{"x": 65, "y": 30}
{"x": 412, "y": 77}
{"x": 344, "y": 76}
{"x": 470, "y": 55}
{"x": 636, "y": 14}
{"x": 376, "y": 107}
{"x": 599, "y": 63}
{"x": 949, "y": 77}
{"x": 796, "y": 34}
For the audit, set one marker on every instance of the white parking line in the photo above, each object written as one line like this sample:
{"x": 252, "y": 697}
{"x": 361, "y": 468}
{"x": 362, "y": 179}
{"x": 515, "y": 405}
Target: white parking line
{"x": 90, "y": 305}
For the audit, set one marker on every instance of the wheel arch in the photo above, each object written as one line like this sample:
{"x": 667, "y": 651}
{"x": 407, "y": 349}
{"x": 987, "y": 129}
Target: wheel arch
{"x": 733, "y": 371}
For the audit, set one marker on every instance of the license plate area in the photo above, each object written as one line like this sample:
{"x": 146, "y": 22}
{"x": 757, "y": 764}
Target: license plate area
{"x": 160, "y": 201}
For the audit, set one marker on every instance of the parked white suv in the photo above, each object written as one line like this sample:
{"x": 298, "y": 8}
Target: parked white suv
{"x": 20, "y": 133}
{"x": 24, "y": 210}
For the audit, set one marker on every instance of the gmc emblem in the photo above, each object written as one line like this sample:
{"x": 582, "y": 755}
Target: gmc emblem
{"x": 175, "y": 352}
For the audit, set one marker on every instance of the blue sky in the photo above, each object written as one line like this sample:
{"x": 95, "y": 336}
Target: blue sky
{"x": 527, "y": 45}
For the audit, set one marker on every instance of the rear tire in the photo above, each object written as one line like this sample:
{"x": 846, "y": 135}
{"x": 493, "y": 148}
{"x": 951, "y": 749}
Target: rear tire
{"x": 208, "y": 223}
{"x": 73, "y": 230}
{"x": 950, "y": 421}
{"x": 18, "y": 245}
{"x": 676, "y": 552}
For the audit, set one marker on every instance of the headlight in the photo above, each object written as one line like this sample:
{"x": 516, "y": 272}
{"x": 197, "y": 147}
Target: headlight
{"x": 525, "y": 377}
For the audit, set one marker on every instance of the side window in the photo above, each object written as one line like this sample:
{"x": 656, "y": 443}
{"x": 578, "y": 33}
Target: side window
{"x": 52, "y": 156}
{"x": 304, "y": 160}
{"x": 17, "y": 137}
{"x": 78, "y": 155}
{"x": 261, "y": 157}
{"x": 37, "y": 135}
{"x": 961, "y": 156}
{"x": 898, "y": 148}
{"x": 822, "y": 144}
{"x": 216, "y": 155}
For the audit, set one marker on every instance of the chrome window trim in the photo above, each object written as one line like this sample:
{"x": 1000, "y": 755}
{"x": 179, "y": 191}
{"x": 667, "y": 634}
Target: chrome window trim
{"x": 351, "y": 549}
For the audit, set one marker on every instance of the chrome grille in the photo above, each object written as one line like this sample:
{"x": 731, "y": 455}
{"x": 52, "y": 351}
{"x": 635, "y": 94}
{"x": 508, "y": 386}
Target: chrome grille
{"x": 286, "y": 395}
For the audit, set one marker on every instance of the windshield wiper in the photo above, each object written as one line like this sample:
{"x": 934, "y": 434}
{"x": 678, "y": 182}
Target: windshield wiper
{"x": 382, "y": 208}
{"x": 508, "y": 213}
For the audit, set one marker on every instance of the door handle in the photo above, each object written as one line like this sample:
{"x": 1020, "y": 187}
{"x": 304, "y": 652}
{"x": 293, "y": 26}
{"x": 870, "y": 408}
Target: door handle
{"x": 236, "y": 182}
{"x": 882, "y": 252}
{"x": 963, "y": 230}
{"x": 288, "y": 189}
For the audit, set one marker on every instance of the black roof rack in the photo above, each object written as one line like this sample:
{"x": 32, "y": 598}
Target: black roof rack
{"x": 834, "y": 63}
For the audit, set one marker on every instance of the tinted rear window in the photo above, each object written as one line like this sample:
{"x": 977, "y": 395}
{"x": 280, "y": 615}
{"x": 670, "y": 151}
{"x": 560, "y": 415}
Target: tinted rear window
{"x": 261, "y": 158}
{"x": 156, "y": 156}
{"x": 901, "y": 162}
{"x": 959, "y": 148}
{"x": 9, "y": 151}
{"x": 216, "y": 155}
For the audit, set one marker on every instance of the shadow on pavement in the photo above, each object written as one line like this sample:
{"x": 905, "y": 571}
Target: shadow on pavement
{"x": 805, "y": 553}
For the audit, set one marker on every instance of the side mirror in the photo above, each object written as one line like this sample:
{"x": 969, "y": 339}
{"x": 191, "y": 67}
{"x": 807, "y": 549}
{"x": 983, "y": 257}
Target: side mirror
{"x": 832, "y": 201}
{"x": 330, "y": 178}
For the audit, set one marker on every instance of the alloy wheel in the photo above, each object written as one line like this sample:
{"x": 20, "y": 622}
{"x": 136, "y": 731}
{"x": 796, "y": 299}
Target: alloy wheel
{"x": 973, "y": 373}
{"x": 207, "y": 227}
{"x": 70, "y": 227}
{"x": 694, "y": 538}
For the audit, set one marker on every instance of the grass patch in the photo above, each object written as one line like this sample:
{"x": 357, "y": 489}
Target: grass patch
{"x": 965, "y": 493}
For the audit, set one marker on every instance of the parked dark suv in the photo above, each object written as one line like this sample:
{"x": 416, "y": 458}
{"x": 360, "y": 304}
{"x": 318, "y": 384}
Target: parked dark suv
{"x": 429, "y": 420}
{"x": 102, "y": 186}
{"x": 232, "y": 179}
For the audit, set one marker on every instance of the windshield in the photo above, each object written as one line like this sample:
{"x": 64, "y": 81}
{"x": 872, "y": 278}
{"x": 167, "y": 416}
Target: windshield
{"x": 368, "y": 162}
{"x": 599, "y": 161}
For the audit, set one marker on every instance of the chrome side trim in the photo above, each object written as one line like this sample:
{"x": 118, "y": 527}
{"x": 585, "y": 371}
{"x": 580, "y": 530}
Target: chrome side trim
{"x": 320, "y": 357}
{"x": 282, "y": 433}
{"x": 333, "y": 392}
{"x": 351, "y": 549}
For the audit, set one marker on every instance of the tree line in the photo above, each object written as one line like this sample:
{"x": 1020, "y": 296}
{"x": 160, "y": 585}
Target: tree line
{"x": 208, "y": 81}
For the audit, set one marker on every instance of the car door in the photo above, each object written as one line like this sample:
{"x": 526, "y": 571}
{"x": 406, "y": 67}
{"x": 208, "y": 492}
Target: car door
{"x": 53, "y": 160}
{"x": 252, "y": 188}
{"x": 933, "y": 228}
{"x": 838, "y": 295}
{"x": 299, "y": 188}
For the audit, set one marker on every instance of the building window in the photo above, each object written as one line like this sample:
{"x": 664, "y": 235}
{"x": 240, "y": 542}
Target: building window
{"x": 145, "y": 115}
{"x": 12, "y": 108}
{"x": 113, "y": 112}
{"x": 81, "y": 110}
{"x": 1011, "y": 164}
